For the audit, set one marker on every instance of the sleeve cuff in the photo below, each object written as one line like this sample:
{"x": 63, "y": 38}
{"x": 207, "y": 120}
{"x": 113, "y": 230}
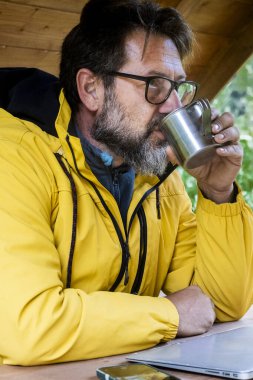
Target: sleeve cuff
{"x": 173, "y": 321}
{"x": 224, "y": 209}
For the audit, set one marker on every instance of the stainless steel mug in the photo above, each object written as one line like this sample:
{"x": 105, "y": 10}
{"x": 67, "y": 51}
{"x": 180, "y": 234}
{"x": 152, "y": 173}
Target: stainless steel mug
{"x": 188, "y": 130}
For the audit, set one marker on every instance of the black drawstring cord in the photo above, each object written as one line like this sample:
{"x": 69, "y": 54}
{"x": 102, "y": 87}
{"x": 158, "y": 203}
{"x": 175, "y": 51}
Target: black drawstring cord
{"x": 74, "y": 223}
{"x": 143, "y": 251}
{"x": 123, "y": 243}
{"x": 158, "y": 208}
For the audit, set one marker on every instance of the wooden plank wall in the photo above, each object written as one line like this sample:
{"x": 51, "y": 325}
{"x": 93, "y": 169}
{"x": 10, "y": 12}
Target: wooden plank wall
{"x": 31, "y": 34}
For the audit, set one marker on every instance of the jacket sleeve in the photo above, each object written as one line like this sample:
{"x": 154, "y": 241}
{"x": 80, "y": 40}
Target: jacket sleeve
{"x": 40, "y": 321}
{"x": 215, "y": 252}
{"x": 224, "y": 258}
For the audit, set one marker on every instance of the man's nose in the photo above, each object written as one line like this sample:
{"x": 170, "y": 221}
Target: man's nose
{"x": 172, "y": 103}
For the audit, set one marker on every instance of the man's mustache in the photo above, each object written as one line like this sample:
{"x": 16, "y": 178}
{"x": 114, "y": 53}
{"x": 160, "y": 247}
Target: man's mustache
{"x": 154, "y": 125}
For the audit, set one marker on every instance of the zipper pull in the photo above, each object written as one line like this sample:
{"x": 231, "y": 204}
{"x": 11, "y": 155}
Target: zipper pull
{"x": 127, "y": 257}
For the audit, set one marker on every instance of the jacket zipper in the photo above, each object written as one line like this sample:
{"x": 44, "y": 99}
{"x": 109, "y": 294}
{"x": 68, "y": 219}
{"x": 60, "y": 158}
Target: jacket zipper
{"x": 124, "y": 243}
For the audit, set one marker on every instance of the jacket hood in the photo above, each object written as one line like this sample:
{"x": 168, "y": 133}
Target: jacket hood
{"x": 31, "y": 94}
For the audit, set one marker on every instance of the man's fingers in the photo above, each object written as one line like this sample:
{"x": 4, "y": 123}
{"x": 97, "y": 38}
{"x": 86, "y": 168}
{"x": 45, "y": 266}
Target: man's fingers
{"x": 234, "y": 150}
{"x": 230, "y": 134}
{"x": 224, "y": 121}
{"x": 214, "y": 114}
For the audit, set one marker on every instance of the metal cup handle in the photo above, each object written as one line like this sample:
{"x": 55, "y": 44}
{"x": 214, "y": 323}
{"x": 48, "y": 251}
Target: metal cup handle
{"x": 202, "y": 117}
{"x": 206, "y": 117}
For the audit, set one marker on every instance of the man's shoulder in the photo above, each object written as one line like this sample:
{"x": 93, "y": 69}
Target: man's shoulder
{"x": 173, "y": 185}
{"x": 15, "y": 130}
{"x": 12, "y": 128}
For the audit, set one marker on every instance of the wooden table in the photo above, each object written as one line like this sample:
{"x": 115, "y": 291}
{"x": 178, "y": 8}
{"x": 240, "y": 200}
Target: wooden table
{"x": 86, "y": 370}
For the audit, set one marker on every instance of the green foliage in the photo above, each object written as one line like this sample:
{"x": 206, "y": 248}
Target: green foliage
{"x": 236, "y": 97}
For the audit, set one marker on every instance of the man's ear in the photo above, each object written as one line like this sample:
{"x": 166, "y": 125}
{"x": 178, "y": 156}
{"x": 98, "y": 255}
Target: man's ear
{"x": 88, "y": 89}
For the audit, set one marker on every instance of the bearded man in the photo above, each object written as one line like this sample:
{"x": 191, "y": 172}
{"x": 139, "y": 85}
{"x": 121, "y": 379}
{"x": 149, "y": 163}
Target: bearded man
{"x": 95, "y": 221}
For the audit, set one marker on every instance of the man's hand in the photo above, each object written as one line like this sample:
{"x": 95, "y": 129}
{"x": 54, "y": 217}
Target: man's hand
{"x": 215, "y": 179}
{"x": 195, "y": 309}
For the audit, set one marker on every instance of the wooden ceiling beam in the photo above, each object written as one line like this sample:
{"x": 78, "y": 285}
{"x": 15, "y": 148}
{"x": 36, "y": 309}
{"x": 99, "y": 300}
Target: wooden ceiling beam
{"x": 218, "y": 17}
{"x": 22, "y": 57}
{"x": 32, "y": 27}
{"x": 225, "y": 64}
{"x": 64, "y": 5}
{"x": 32, "y": 31}
{"x": 185, "y": 7}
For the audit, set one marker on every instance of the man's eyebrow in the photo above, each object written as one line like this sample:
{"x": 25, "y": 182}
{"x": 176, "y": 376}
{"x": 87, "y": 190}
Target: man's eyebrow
{"x": 161, "y": 74}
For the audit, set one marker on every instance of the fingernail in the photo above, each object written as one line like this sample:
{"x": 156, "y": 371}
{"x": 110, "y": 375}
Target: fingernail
{"x": 216, "y": 127}
{"x": 221, "y": 136}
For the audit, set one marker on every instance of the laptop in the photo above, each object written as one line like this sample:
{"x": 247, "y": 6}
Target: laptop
{"x": 226, "y": 353}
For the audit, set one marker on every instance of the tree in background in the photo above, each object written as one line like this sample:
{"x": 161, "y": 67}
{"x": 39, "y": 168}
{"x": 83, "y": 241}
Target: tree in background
{"x": 236, "y": 97}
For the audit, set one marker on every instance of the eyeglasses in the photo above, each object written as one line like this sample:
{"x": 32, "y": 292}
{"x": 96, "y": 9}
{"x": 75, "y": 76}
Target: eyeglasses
{"x": 159, "y": 88}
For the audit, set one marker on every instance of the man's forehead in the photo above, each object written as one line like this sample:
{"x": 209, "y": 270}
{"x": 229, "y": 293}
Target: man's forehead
{"x": 155, "y": 47}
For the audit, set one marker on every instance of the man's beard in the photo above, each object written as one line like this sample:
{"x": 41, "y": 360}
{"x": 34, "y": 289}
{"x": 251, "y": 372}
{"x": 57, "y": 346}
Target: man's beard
{"x": 115, "y": 128}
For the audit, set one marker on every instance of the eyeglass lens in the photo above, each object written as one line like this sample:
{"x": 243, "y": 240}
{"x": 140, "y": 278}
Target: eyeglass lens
{"x": 159, "y": 88}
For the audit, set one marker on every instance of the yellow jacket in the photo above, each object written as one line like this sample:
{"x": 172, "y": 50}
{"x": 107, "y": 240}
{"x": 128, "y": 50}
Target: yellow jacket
{"x": 42, "y": 320}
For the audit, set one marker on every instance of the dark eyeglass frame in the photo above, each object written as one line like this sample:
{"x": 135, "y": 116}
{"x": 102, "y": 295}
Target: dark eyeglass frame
{"x": 174, "y": 84}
